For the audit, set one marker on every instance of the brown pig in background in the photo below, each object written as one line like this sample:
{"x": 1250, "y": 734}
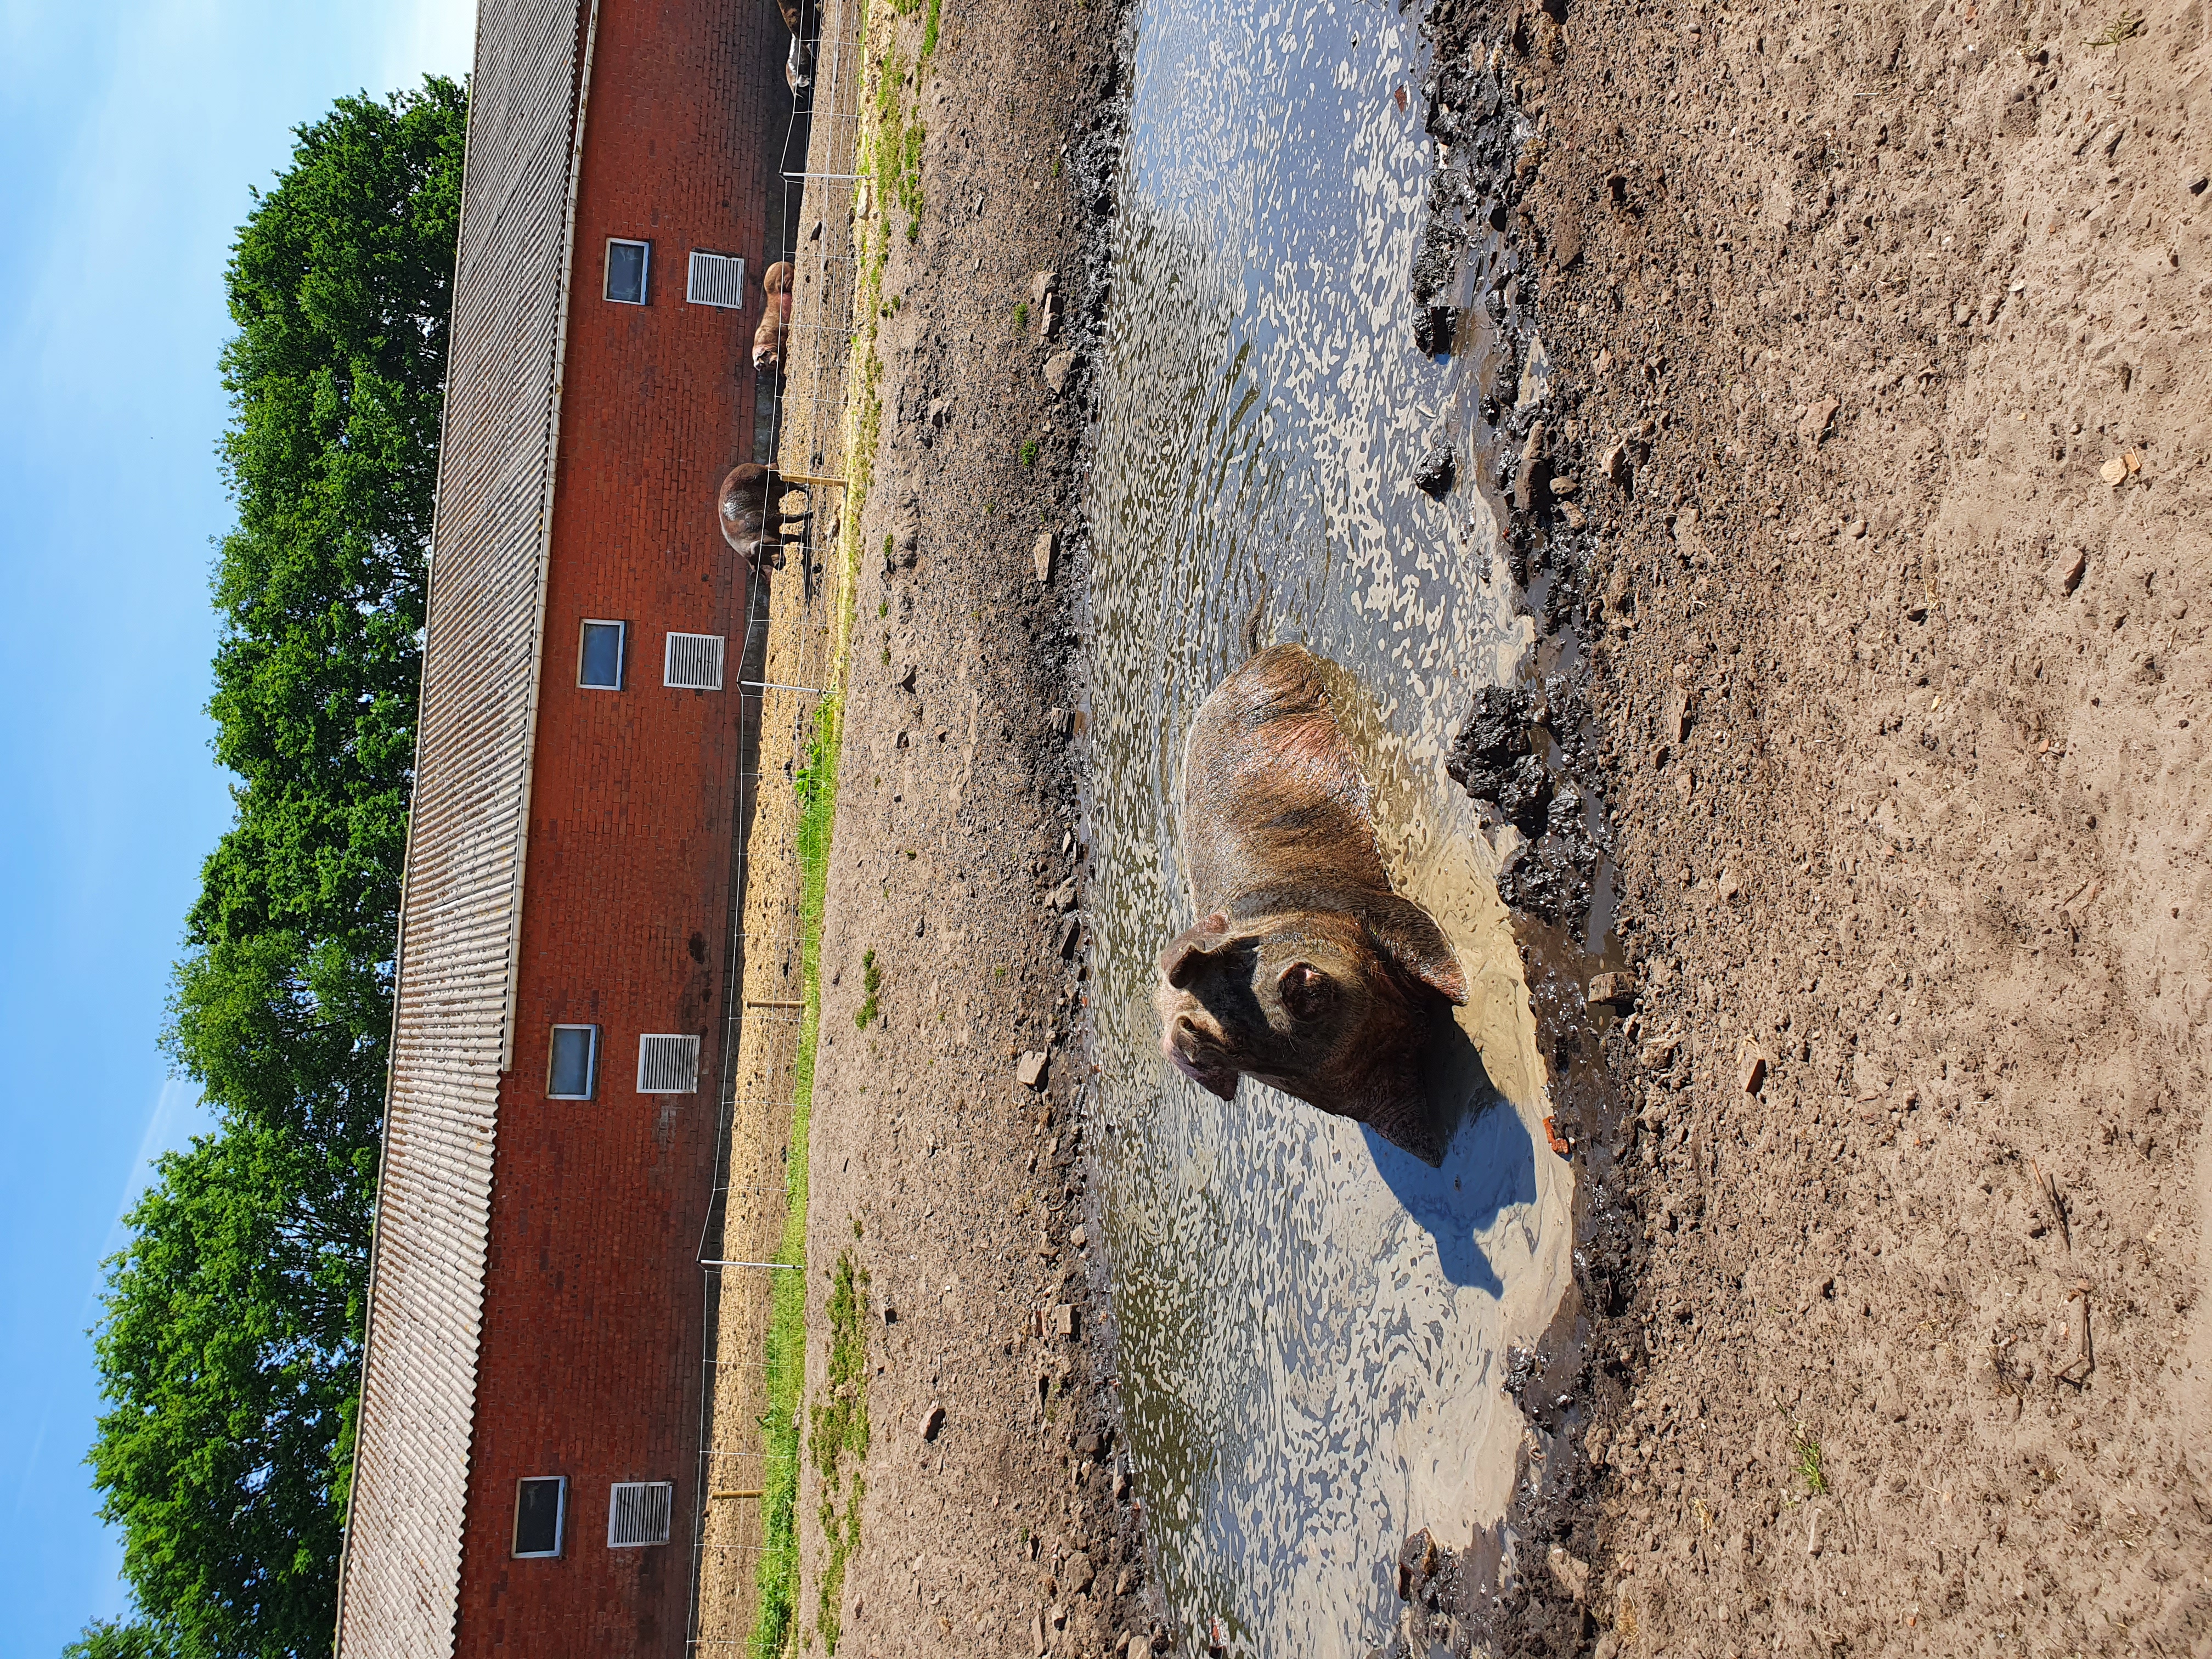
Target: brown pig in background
{"x": 1304, "y": 970}
{"x": 774, "y": 333}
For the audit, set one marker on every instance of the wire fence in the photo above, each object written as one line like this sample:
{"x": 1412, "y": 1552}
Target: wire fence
{"x": 748, "y": 1243}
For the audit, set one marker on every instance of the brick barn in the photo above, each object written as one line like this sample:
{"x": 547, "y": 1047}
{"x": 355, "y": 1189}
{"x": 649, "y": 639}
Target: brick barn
{"x": 528, "y": 1430}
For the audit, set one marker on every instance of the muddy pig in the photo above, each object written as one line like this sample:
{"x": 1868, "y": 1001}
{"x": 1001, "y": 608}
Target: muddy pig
{"x": 1304, "y": 970}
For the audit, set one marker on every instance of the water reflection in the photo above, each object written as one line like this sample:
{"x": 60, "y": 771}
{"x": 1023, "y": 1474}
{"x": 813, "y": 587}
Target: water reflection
{"x": 1313, "y": 1323}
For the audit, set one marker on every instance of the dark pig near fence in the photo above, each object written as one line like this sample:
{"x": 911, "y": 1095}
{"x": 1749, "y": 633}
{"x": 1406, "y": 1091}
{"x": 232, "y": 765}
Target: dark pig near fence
{"x": 746, "y": 505}
{"x": 1304, "y": 969}
{"x": 774, "y": 333}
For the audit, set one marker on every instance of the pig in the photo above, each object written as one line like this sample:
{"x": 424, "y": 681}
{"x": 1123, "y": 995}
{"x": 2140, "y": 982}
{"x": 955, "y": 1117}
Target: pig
{"x": 750, "y": 522}
{"x": 774, "y": 333}
{"x": 1304, "y": 969}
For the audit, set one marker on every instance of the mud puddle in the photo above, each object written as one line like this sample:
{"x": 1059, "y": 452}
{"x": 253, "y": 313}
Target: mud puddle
{"x": 1314, "y": 1327}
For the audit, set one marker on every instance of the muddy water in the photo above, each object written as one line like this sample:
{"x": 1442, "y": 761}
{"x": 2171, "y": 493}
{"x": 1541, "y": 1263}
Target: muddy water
{"x": 1314, "y": 1326}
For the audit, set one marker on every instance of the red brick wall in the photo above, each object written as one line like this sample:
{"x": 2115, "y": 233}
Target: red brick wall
{"x": 592, "y": 1304}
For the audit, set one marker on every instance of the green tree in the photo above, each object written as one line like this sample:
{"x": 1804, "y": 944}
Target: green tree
{"x": 109, "y": 1639}
{"x": 230, "y": 1349}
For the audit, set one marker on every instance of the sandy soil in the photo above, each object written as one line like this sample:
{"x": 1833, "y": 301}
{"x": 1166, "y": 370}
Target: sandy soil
{"x": 1882, "y": 395}
{"x": 995, "y": 1518}
{"x": 1882, "y": 433}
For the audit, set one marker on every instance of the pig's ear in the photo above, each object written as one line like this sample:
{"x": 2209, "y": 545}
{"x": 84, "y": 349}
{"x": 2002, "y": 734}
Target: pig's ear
{"x": 1180, "y": 962}
{"x": 1402, "y": 930}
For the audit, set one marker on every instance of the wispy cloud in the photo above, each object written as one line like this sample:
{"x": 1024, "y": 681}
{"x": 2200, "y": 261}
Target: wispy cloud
{"x": 177, "y": 1115}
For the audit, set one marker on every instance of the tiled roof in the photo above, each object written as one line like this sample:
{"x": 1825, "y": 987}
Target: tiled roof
{"x": 400, "y": 1577}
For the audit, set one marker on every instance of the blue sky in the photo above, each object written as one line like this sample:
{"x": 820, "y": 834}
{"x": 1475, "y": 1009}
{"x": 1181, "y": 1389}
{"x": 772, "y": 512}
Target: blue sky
{"x": 128, "y": 140}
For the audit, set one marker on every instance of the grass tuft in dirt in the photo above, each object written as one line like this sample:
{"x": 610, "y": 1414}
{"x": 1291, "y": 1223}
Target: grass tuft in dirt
{"x": 839, "y": 1437}
{"x": 2125, "y": 27}
{"x": 1806, "y": 1452}
{"x": 871, "y": 980}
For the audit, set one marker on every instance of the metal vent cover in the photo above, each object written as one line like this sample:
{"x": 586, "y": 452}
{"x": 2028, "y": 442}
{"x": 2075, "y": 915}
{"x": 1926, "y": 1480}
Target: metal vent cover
{"x": 667, "y": 1064}
{"x": 716, "y": 279}
{"x": 638, "y": 1513}
{"x": 694, "y": 662}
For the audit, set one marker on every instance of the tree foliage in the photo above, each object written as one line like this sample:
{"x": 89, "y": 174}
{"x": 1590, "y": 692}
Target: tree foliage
{"x": 229, "y": 1352}
{"x": 110, "y": 1639}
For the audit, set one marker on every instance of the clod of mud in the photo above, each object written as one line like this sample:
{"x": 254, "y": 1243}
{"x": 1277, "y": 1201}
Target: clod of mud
{"x": 1499, "y": 759}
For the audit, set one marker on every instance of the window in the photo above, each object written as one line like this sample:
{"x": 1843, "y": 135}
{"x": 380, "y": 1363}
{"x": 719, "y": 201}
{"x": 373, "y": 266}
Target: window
{"x": 694, "y": 662}
{"x": 572, "y": 1072}
{"x": 541, "y": 1504}
{"x": 667, "y": 1064}
{"x": 638, "y": 1512}
{"x": 716, "y": 279}
{"x": 626, "y": 266}
{"x": 599, "y": 656}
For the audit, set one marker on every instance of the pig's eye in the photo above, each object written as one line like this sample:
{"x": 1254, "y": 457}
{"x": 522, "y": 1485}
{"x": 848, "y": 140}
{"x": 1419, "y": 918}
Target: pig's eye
{"x": 1304, "y": 990}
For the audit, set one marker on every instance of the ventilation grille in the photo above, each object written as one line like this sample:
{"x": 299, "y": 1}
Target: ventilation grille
{"x": 694, "y": 662}
{"x": 717, "y": 279}
{"x": 638, "y": 1511}
{"x": 667, "y": 1066}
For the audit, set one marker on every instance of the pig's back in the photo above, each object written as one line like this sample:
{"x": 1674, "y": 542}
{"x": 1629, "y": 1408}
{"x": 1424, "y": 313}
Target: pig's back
{"x": 1270, "y": 790}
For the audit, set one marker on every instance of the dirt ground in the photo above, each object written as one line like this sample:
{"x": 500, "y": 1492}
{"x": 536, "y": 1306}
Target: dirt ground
{"x": 1879, "y": 444}
{"x": 994, "y": 1516}
{"x": 1868, "y": 507}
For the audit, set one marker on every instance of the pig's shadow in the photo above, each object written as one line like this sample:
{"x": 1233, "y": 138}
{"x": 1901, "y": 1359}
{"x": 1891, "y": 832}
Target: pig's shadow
{"x": 1489, "y": 1163}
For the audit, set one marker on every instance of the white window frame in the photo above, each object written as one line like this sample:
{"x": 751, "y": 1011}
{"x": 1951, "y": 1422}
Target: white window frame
{"x": 644, "y": 273}
{"x": 665, "y": 1501}
{"x": 668, "y": 679}
{"x": 622, "y": 652}
{"x": 560, "y": 1518}
{"x": 713, "y": 267}
{"x": 591, "y": 1064}
{"x": 690, "y": 1037}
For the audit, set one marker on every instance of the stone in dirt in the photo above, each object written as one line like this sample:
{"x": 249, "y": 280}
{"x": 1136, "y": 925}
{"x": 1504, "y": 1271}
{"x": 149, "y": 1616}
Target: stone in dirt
{"x": 1435, "y": 473}
{"x": 1056, "y": 368}
{"x": 1064, "y": 1319}
{"x": 1530, "y": 479}
{"x": 1618, "y": 989}
{"x": 1042, "y": 555}
{"x": 1751, "y": 1065}
{"x": 2065, "y": 573}
{"x": 931, "y": 1421}
{"x": 1573, "y": 1574}
{"x": 1818, "y": 420}
{"x": 1030, "y": 1073}
{"x": 1080, "y": 1574}
{"x": 906, "y": 530}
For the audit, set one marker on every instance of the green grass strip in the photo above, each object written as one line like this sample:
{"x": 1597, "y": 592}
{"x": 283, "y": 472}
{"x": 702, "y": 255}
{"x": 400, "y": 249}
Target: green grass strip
{"x": 839, "y": 1431}
{"x": 775, "y": 1631}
